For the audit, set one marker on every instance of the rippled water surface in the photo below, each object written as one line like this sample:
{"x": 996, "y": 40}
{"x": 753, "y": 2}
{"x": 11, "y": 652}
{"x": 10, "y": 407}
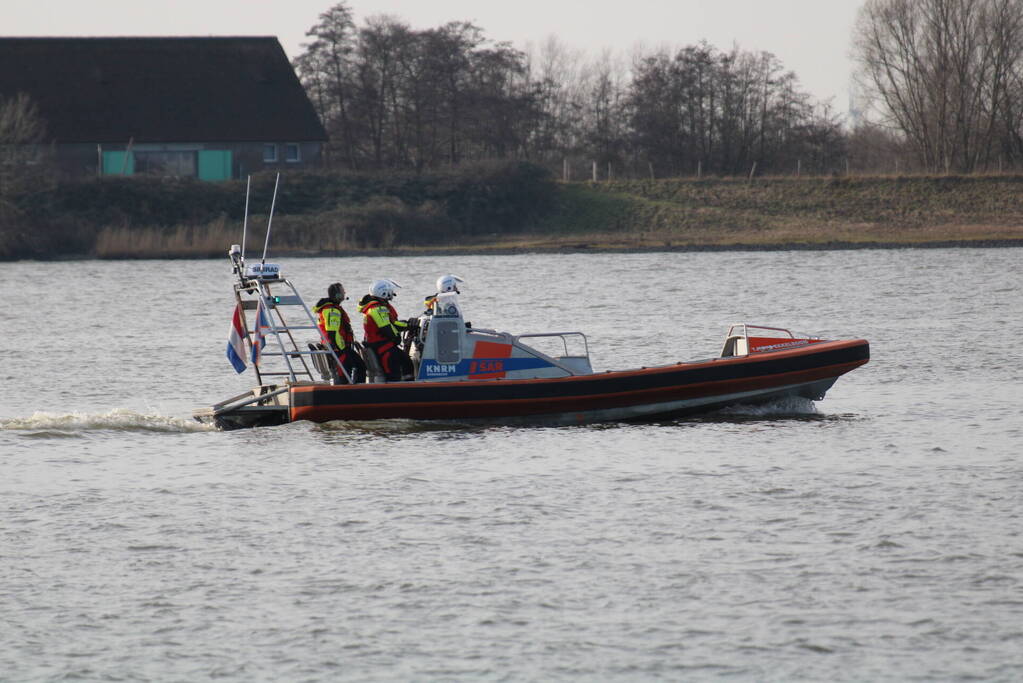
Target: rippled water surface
{"x": 872, "y": 536}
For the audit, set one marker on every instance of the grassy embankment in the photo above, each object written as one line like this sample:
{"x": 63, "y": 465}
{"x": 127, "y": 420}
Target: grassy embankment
{"x": 771, "y": 212}
{"x": 512, "y": 207}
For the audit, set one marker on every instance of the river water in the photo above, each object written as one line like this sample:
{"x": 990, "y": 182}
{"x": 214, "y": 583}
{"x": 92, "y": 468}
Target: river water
{"x": 871, "y": 536}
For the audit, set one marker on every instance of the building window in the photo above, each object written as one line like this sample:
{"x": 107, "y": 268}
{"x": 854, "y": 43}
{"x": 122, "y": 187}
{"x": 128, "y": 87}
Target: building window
{"x": 269, "y": 153}
{"x": 166, "y": 163}
{"x": 292, "y": 152}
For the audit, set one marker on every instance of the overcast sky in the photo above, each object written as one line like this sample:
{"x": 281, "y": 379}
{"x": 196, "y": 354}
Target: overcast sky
{"x": 810, "y": 37}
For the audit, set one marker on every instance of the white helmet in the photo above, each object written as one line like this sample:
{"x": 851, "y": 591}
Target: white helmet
{"x": 384, "y": 289}
{"x": 448, "y": 283}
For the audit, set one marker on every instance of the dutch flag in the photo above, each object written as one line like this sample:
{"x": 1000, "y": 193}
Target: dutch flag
{"x": 235, "y": 345}
{"x": 262, "y": 328}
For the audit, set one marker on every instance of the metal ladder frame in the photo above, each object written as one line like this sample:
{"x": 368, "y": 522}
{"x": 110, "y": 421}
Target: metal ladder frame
{"x": 248, "y": 295}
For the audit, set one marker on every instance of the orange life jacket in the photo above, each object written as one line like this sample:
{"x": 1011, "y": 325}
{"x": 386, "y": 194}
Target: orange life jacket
{"x": 334, "y": 324}
{"x": 380, "y": 321}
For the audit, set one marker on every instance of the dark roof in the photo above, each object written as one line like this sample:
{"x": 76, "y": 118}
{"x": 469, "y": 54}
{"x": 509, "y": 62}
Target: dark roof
{"x": 230, "y": 89}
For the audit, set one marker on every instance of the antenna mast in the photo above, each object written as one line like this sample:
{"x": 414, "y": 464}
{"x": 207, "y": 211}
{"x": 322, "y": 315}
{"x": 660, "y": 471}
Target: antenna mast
{"x": 270, "y": 220}
{"x": 245, "y": 221}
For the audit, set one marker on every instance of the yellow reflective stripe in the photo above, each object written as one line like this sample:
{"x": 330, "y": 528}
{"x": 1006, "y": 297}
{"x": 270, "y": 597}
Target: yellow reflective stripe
{"x": 380, "y": 316}
{"x": 332, "y": 320}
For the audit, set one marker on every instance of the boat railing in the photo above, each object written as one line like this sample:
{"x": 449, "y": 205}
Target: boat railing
{"x": 572, "y": 363}
{"x": 740, "y": 342}
{"x": 564, "y": 336}
{"x": 746, "y": 327}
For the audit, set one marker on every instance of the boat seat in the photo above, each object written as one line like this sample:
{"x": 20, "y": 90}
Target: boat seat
{"x": 374, "y": 371}
{"x": 735, "y": 345}
{"x": 322, "y": 362}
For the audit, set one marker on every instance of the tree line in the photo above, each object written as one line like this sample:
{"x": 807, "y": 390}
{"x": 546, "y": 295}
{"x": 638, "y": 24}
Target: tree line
{"x": 940, "y": 85}
{"x": 394, "y": 97}
{"x": 945, "y": 78}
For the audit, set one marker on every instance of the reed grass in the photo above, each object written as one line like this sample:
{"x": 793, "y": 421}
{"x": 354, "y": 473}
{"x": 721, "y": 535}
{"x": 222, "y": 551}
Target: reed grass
{"x": 180, "y": 241}
{"x": 380, "y": 224}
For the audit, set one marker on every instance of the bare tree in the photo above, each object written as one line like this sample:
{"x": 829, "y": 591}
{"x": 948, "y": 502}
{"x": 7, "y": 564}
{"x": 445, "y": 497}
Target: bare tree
{"x": 604, "y": 116}
{"x": 1005, "y": 122}
{"x": 383, "y": 44}
{"x": 325, "y": 69}
{"x": 554, "y": 70}
{"x": 701, "y": 109}
{"x": 499, "y": 105}
{"x": 941, "y": 72}
{"x": 22, "y": 131}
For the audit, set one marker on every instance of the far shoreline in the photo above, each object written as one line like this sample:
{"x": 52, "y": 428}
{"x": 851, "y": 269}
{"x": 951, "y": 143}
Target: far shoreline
{"x": 570, "y": 248}
{"x": 578, "y": 247}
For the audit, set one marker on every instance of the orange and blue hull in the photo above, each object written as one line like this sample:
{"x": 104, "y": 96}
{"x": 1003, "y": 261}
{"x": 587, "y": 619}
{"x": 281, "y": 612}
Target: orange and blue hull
{"x": 644, "y": 394}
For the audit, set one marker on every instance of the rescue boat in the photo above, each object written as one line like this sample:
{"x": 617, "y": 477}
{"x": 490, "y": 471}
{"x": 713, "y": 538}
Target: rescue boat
{"x": 464, "y": 374}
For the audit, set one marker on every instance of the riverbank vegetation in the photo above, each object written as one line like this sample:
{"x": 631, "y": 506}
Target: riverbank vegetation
{"x": 140, "y": 217}
{"x": 510, "y": 207}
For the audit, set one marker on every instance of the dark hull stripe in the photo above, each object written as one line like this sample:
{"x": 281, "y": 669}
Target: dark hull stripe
{"x": 499, "y": 398}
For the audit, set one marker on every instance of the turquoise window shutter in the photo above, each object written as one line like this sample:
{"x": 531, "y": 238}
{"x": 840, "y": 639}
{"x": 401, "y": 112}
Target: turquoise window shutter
{"x": 114, "y": 163}
{"x": 214, "y": 164}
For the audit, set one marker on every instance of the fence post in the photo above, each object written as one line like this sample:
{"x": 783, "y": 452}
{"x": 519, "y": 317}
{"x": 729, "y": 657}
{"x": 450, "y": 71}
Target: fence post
{"x": 594, "y": 171}
{"x": 564, "y": 170}
{"x": 699, "y": 169}
{"x": 752, "y": 171}
{"x": 651, "y": 165}
{"x": 799, "y": 167}
{"x": 609, "y": 171}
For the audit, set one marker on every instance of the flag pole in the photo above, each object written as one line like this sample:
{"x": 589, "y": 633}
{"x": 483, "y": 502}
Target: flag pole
{"x": 270, "y": 220}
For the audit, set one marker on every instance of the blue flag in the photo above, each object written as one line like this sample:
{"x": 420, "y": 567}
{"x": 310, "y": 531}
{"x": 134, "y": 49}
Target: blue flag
{"x": 262, "y": 328}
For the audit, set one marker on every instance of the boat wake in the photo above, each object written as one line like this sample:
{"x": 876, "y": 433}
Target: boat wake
{"x": 43, "y": 424}
{"x": 399, "y": 426}
{"x": 788, "y": 406}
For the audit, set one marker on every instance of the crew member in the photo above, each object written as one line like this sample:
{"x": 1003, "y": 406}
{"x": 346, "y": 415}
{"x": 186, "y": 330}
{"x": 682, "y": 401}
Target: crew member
{"x": 445, "y": 283}
{"x": 383, "y": 330}
{"x": 336, "y": 330}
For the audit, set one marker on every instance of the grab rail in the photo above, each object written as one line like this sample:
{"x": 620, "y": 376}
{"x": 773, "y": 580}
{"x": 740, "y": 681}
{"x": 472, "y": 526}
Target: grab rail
{"x": 562, "y": 335}
{"x": 745, "y": 329}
